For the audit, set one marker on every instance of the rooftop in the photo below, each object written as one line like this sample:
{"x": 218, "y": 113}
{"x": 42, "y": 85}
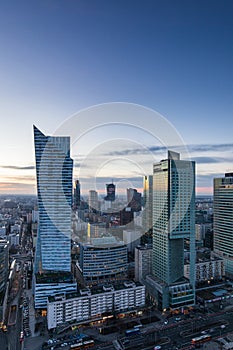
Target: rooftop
{"x": 96, "y": 290}
{"x": 54, "y": 277}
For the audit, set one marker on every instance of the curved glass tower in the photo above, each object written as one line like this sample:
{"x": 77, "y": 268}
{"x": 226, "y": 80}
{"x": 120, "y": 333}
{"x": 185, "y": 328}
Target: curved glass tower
{"x": 54, "y": 189}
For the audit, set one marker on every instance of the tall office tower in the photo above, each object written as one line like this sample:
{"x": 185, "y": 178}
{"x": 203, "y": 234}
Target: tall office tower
{"x": 223, "y": 220}
{"x": 134, "y": 199}
{"x": 148, "y": 203}
{"x": 54, "y": 189}
{"x": 77, "y": 194}
{"x": 93, "y": 200}
{"x": 54, "y": 169}
{"x": 173, "y": 221}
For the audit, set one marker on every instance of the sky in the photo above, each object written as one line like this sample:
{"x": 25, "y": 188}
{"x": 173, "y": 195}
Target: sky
{"x": 60, "y": 57}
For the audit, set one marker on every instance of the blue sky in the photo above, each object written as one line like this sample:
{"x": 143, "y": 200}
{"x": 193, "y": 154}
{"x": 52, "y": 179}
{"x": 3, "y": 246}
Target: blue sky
{"x": 60, "y": 56}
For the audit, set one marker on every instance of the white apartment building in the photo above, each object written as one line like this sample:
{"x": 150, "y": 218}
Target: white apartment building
{"x": 90, "y": 303}
{"x": 207, "y": 269}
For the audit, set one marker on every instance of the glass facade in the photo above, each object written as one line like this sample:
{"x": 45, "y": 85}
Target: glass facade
{"x": 173, "y": 220}
{"x": 103, "y": 262}
{"x": 223, "y": 220}
{"x": 54, "y": 188}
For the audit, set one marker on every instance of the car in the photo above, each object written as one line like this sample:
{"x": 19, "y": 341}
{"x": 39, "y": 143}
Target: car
{"x": 177, "y": 319}
{"x": 166, "y": 322}
{"x": 157, "y": 347}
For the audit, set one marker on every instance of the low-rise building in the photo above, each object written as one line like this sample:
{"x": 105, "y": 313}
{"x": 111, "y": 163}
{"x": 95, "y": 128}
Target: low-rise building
{"x": 90, "y": 303}
{"x": 206, "y": 269}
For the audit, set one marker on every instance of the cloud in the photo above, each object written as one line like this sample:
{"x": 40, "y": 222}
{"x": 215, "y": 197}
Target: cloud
{"x": 209, "y": 160}
{"x": 211, "y": 147}
{"x": 191, "y": 148}
{"x": 15, "y": 167}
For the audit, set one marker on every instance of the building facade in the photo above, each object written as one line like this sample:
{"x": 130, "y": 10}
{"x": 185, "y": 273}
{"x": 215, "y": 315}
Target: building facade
{"x": 93, "y": 200}
{"x": 103, "y": 260}
{"x": 207, "y": 269}
{"x": 54, "y": 169}
{"x": 4, "y": 263}
{"x": 173, "y": 221}
{"x": 223, "y": 220}
{"x": 89, "y": 304}
{"x": 147, "y": 216}
{"x": 143, "y": 262}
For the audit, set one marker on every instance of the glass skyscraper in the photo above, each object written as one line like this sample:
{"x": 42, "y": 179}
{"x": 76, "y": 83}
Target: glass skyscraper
{"x": 54, "y": 169}
{"x": 223, "y": 220}
{"x": 173, "y": 221}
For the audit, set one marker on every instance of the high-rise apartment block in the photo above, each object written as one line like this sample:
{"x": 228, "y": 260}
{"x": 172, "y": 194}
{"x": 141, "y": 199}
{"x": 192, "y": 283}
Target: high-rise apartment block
{"x": 143, "y": 262}
{"x": 223, "y": 220}
{"x": 93, "y": 200}
{"x": 173, "y": 221}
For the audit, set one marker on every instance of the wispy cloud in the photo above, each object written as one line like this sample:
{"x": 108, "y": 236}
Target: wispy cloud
{"x": 15, "y": 167}
{"x": 209, "y": 160}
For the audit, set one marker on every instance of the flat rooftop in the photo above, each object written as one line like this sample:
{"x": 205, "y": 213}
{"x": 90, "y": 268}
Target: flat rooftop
{"x": 54, "y": 277}
{"x": 96, "y": 290}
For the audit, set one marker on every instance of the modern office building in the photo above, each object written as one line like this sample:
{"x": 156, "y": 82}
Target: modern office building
{"x": 173, "y": 221}
{"x": 223, "y": 220}
{"x": 134, "y": 199}
{"x": 54, "y": 169}
{"x": 77, "y": 195}
{"x": 103, "y": 260}
{"x": 92, "y": 303}
{"x": 147, "y": 203}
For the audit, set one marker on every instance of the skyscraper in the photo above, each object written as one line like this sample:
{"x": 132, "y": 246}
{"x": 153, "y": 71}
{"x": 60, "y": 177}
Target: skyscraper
{"x": 111, "y": 190}
{"x": 147, "y": 203}
{"x": 54, "y": 190}
{"x": 77, "y": 194}
{"x": 173, "y": 221}
{"x": 223, "y": 220}
{"x": 54, "y": 169}
{"x": 93, "y": 200}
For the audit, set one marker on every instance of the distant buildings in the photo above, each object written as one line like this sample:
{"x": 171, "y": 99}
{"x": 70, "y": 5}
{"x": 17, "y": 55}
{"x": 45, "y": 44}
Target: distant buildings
{"x": 77, "y": 194}
{"x": 173, "y": 221}
{"x": 134, "y": 199}
{"x": 54, "y": 169}
{"x": 93, "y": 200}
{"x": 223, "y": 220}
{"x": 111, "y": 192}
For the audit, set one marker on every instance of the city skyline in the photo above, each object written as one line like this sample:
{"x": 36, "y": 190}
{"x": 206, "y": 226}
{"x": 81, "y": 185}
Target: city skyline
{"x": 173, "y": 58}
